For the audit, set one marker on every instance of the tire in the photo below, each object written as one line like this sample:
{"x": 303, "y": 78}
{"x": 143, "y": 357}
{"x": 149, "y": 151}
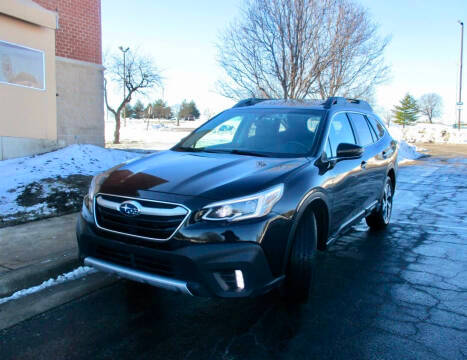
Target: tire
{"x": 299, "y": 276}
{"x": 380, "y": 218}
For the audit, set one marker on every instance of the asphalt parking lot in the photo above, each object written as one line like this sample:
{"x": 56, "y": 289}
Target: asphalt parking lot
{"x": 396, "y": 294}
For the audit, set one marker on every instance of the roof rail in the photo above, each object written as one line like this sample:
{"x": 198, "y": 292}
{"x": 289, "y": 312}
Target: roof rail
{"x": 248, "y": 102}
{"x": 337, "y": 100}
{"x": 327, "y": 104}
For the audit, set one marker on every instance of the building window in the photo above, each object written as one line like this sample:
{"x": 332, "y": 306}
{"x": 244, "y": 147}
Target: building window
{"x": 21, "y": 66}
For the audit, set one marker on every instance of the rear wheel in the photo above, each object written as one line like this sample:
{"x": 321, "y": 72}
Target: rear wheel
{"x": 299, "y": 276}
{"x": 381, "y": 217}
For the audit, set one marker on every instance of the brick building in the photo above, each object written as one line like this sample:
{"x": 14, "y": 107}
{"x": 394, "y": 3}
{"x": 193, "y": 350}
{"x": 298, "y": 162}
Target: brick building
{"x": 51, "y": 57}
{"x": 79, "y": 29}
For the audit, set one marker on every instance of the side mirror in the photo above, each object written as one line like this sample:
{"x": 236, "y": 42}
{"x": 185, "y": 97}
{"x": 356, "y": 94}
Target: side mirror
{"x": 349, "y": 151}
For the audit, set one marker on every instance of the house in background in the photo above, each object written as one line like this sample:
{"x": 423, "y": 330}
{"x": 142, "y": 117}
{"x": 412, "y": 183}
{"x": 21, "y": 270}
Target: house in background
{"x": 51, "y": 75}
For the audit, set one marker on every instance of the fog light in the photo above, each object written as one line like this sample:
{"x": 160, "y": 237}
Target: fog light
{"x": 230, "y": 280}
{"x": 239, "y": 279}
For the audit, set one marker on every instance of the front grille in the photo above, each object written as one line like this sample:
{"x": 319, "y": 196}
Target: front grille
{"x": 135, "y": 261}
{"x": 145, "y": 225}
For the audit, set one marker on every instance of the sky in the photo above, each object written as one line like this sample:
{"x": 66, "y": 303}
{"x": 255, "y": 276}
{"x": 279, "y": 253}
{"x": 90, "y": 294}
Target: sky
{"x": 181, "y": 36}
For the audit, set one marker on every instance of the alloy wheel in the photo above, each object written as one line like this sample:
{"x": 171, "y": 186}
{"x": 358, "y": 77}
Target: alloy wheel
{"x": 387, "y": 203}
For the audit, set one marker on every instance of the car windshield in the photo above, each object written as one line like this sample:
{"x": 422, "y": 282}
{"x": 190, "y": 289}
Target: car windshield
{"x": 258, "y": 132}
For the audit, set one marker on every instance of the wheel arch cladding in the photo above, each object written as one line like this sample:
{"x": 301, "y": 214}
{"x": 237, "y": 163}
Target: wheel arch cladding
{"x": 319, "y": 205}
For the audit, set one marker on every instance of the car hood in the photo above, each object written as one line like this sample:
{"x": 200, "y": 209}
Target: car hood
{"x": 208, "y": 175}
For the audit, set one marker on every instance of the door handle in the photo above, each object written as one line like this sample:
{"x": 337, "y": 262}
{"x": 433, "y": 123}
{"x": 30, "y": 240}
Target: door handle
{"x": 363, "y": 165}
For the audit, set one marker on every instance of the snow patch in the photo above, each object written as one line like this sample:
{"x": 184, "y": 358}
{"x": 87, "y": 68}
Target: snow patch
{"x": 361, "y": 226}
{"x": 18, "y": 173}
{"x": 407, "y": 153}
{"x": 428, "y": 133}
{"x": 158, "y": 135}
{"x": 72, "y": 275}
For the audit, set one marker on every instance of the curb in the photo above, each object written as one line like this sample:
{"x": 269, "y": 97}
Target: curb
{"x": 35, "y": 274}
{"x": 14, "y": 312}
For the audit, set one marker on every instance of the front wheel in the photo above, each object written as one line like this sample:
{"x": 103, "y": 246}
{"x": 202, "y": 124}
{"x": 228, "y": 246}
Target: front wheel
{"x": 299, "y": 276}
{"x": 380, "y": 218}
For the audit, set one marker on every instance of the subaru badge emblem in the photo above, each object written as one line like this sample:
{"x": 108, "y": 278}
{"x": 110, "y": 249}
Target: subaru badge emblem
{"x": 130, "y": 208}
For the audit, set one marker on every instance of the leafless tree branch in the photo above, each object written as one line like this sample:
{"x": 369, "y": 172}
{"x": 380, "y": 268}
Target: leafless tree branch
{"x": 301, "y": 48}
{"x": 430, "y": 106}
{"x": 140, "y": 75}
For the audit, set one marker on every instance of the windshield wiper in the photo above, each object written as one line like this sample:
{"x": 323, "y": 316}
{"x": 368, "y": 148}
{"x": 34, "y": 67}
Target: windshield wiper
{"x": 221, "y": 151}
{"x": 246, "y": 152}
{"x": 188, "y": 149}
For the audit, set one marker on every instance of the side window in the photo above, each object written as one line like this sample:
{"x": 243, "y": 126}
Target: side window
{"x": 340, "y": 132}
{"x": 362, "y": 128}
{"x": 376, "y": 126}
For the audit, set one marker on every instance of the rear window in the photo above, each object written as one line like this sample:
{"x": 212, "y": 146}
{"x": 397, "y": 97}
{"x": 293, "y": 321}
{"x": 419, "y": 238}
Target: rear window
{"x": 379, "y": 129}
{"x": 362, "y": 129}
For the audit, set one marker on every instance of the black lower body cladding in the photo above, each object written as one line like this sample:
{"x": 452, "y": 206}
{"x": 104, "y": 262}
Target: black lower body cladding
{"x": 237, "y": 269}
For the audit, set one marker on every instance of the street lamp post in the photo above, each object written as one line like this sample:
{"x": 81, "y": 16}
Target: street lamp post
{"x": 459, "y": 103}
{"x": 124, "y": 79}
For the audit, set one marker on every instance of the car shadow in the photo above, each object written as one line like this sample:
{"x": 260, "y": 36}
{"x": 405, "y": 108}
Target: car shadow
{"x": 344, "y": 301}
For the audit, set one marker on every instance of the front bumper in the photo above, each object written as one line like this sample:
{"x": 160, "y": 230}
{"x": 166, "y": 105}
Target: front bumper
{"x": 195, "y": 269}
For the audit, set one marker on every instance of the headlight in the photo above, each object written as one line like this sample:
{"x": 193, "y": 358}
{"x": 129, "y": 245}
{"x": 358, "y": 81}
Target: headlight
{"x": 247, "y": 207}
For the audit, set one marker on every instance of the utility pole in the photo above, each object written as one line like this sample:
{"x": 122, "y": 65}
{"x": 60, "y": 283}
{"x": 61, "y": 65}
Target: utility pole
{"x": 459, "y": 102}
{"x": 124, "y": 79}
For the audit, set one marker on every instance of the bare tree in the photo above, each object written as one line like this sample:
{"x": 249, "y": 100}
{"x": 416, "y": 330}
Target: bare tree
{"x": 388, "y": 117}
{"x": 301, "y": 48}
{"x": 430, "y": 105}
{"x": 140, "y": 75}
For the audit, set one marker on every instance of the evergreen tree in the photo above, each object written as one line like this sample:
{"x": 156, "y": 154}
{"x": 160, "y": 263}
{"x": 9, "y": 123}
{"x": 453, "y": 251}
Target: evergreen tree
{"x": 194, "y": 110}
{"x": 129, "y": 113}
{"x": 138, "y": 110}
{"x": 161, "y": 110}
{"x": 188, "y": 110}
{"x": 407, "y": 111}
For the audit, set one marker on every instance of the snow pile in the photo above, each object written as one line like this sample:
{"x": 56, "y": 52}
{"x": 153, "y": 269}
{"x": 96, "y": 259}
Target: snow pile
{"x": 73, "y": 159}
{"x": 72, "y": 275}
{"x": 37, "y": 176}
{"x": 429, "y": 133}
{"x": 407, "y": 153}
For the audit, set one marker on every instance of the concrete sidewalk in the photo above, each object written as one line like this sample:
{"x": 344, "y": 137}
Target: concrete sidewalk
{"x": 36, "y": 251}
